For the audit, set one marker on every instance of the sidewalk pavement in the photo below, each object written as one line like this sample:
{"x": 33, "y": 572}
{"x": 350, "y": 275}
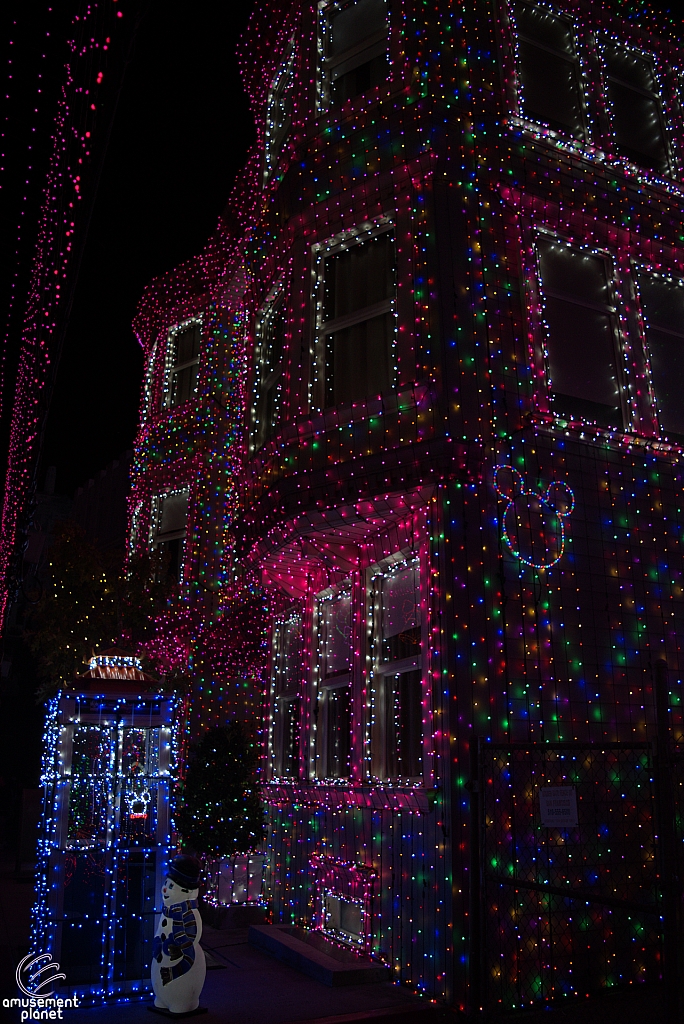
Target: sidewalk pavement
{"x": 251, "y": 987}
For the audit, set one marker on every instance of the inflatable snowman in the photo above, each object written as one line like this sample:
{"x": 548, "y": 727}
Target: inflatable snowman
{"x": 178, "y": 964}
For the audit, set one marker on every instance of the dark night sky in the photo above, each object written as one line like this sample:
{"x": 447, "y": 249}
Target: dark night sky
{"x": 181, "y": 133}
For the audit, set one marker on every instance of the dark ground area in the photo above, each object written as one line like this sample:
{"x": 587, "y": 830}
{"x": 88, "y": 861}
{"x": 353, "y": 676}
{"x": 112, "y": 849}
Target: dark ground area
{"x": 249, "y": 987}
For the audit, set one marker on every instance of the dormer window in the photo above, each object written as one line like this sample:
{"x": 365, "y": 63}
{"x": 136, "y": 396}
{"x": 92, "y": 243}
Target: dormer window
{"x": 182, "y": 363}
{"x": 549, "y": 70}
{"x": 278, "y": 114}
{"x": 635, "y": 109}
{"x": 355, "y": 49}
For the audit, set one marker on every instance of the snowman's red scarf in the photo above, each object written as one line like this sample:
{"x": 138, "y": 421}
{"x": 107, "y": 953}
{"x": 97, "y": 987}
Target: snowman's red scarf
{"x": 182, "y": 937}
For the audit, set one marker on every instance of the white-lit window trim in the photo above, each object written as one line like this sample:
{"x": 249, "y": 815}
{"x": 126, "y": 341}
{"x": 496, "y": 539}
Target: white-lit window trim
{"x": 396, "y": 721}
{"x": 279, "y": 113}
{"x": 615, "y": 49}
{"x": 168, "y": 527}
{"x": 269, "y": 355}
{"x": 662, "y": 335}
{"x": 569, "y": 56}
{"x": 616, "y": 349}
{"x": 331, "y": 739}
{"x": 370, "y": 52}
{"x": 326, "y": 327}
{"x": 181, "y": 366}
{"x": 286, "y": 687}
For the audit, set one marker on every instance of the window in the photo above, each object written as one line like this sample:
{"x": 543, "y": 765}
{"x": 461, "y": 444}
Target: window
{"x": 662, "y": 302}
{"x": 356, "y": 321}
{"x": 355, "y": 45}
{"x": 343, "y": 919}
{"x": 286, "y": 685}
{"x": 170, "y": 521}
{"x": 635, "y": 109}
{"x": 581, "y": 334}
{"x": 549, "y": 70}
{"x": 268, "y": 370}
{"x": 396, "y": 727}
{"x": 182, "y": 363}
{"x": 278, "y": 114}
{"x": 333, "y": 724}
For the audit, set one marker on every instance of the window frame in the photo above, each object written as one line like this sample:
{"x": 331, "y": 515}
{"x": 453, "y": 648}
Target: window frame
{"x": 327, "y": 9}
{"x": 661, "y": 97}
{"x": 157, "y": 539}
{"x": 616, "y": 311}
{"x": 291, "y": 696}
{"x": 321, "y": 251}
{"x": 273, "y": 307}
{"x": 323, "y": 685}
{"x": 170, "y": 366}
{"x": 380, "y": 671}
{"x": 581, "y": 79}
{"x": 282, "y": 82}
{"x": 668, "y": 275}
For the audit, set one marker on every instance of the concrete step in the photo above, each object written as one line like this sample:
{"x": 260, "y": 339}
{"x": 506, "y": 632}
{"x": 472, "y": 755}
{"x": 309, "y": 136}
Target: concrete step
{"x": 313, "y": 954}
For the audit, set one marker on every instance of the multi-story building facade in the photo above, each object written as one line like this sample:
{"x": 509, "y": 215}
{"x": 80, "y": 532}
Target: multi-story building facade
{"x": 420, "y": 399}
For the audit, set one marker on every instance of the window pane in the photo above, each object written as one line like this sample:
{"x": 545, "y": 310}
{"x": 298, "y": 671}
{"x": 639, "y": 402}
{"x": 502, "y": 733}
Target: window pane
{"x": 172, "y": 556}
{"x": 663, "y": 304}
{"x": 580, "y": 339}
{"x": 359, "y": 361}
{"x": 359, "y": 276}
{"x": 335, "y": 624}
{"x": 183, "y": 384}
{"x": 338, "y": 731}
{"x": 542, "y": 26}
{"x": 636, "y": 116}
{"x": 287, "y": 736}
{"x": 637, "y": 127}
{"x": 404, "y": 726}
{"x": 187, "y": 344}
{"x": 550, "y": 89}
{"x": 630, "y": 69}
{"x": 174, "y": 513}
{"x": 356, "y": 23}
{"x": 354, "y": 77}
{"x": 343, "y": 919}
{"x": 288, "y": 655}
{"x": 574, "y": 274}
{"x": 400, "y": 600}
{"x": 266, "y": 418}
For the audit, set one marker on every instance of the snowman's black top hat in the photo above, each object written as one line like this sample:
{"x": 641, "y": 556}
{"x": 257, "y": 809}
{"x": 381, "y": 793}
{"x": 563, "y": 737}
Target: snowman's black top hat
{"x": 185, "y": 870}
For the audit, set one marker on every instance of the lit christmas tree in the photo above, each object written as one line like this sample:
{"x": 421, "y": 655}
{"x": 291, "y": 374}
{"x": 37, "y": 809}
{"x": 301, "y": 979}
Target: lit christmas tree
{"x": 220, "y": 804}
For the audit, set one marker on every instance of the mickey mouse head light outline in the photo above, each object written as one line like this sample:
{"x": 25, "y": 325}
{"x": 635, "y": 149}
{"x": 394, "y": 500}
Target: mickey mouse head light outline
{"x": 554, "y": 504}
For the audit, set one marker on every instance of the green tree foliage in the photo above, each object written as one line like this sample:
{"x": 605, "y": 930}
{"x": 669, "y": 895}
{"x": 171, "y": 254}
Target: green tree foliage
{"x": 88, "y": 602}
{"x": 220, "y": 811}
